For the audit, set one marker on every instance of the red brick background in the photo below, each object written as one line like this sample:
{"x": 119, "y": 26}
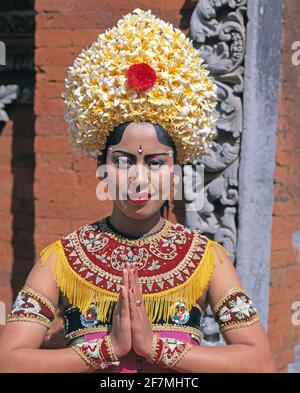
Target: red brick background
{"x": 6, "y": 218}
{"x": 285, "y": 268}
{"x": 62, "y": 194}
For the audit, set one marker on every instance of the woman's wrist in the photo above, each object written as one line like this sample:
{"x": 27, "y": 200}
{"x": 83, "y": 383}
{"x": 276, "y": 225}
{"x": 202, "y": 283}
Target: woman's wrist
{"x": 117, "y": 352}
{"x": 145, "y": 351}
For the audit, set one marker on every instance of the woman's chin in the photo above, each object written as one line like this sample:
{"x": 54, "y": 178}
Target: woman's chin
{"x": 138, "y": 211}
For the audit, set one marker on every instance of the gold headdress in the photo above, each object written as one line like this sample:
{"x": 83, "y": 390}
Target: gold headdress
{"x": 141, "y": 70}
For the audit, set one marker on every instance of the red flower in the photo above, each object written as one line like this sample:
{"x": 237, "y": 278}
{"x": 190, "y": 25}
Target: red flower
{"x": 141, "y": 76}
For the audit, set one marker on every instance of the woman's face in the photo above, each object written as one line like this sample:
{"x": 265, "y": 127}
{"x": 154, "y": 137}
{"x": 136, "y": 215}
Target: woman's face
{"x": 148, "y": 173}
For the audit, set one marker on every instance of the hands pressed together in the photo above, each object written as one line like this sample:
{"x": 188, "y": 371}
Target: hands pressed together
{"x": 131, "y": 331}
{"x": 131, "y": 328}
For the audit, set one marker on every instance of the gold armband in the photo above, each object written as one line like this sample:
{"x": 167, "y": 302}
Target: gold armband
{"x": 31, "y": 306}
{"x": 235, "y": 310}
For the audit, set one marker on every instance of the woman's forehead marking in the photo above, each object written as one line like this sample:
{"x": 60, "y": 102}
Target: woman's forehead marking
{"x": 170, "y": 153}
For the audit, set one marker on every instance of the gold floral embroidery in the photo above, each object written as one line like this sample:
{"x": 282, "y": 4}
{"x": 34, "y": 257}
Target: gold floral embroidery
{"x": 168, "y": 276}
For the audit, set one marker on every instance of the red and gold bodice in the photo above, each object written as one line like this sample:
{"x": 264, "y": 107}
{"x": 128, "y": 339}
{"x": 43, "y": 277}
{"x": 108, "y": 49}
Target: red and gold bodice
{"x": 174, "y": 268}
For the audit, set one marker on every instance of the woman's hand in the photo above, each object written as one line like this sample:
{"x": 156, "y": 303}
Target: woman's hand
{"x": 142, "y": 334}
{"x": 121, "y": 327}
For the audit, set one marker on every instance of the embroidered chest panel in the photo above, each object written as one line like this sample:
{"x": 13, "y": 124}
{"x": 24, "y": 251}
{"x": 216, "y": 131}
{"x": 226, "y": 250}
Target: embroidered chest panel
{"x": 165, "y": 260}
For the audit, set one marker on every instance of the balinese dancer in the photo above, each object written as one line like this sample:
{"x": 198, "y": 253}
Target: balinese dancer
{"x": 138, "y": 101}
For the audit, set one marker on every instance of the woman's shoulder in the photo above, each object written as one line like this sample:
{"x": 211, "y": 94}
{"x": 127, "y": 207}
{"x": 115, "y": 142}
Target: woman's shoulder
{"x": 81, "y": 234}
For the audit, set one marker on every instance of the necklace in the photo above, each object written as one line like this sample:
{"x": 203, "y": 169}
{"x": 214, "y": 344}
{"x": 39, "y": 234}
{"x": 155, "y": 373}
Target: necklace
{"x": 132, "y": 237}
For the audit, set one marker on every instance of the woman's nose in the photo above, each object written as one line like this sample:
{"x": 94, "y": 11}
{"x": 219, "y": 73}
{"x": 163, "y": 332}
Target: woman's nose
{"x": 140, "y": 175}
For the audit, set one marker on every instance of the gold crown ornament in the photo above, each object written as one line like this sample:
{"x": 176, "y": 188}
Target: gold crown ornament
{"x": 143, "y": 69}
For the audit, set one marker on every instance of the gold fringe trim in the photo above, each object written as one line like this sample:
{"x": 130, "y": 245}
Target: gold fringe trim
{"x": 163, "y": 304}
{"x": 82, "y": 293}
{"x": 79, "y": 291}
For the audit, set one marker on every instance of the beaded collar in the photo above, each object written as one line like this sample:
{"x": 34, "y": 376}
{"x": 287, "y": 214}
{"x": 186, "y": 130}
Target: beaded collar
{"x": 174, "y": 264}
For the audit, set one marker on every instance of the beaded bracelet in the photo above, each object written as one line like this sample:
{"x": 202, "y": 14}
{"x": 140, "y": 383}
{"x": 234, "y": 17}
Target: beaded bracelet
{"x": 97, "y": 353}
{"x": 167, "y": 352}
{"x": 31, "y": 306}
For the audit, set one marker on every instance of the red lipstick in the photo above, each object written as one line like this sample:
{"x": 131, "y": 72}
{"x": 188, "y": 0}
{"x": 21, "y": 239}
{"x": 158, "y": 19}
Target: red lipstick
{"x": 140, "y": 198}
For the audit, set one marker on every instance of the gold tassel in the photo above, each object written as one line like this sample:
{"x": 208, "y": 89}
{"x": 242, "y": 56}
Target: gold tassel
{"x": 81, "y": 293}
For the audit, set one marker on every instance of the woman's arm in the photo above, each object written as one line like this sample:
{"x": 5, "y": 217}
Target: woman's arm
{"x": 248, "y": 348}
{"x": 20, "y": 340}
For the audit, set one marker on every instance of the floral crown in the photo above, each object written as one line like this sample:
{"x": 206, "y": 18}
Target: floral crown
{"x": 141, "y": 70}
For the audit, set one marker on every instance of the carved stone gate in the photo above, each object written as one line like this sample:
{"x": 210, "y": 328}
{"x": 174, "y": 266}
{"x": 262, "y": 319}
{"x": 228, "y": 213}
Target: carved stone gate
{"x": 240, "y": 42}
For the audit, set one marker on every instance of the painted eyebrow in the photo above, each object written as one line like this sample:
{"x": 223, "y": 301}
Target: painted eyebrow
{"x": 146, "y": 155}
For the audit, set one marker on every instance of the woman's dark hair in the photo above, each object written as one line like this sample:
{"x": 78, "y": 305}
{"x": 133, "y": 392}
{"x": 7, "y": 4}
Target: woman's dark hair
{"x": 116, "y": 135}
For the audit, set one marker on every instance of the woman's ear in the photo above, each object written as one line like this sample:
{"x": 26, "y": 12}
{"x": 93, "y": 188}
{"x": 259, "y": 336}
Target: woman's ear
{"x": 99, "y": 172}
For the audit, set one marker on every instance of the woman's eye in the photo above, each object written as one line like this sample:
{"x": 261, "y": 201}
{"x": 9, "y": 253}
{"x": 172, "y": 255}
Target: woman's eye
{"x": 156, "y": 164}
{"x": 122, "y": 162}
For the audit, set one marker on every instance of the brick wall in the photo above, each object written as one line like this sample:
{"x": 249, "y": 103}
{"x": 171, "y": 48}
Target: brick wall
{"x": 5, "y": 213}
{"x": 285, "y": 267}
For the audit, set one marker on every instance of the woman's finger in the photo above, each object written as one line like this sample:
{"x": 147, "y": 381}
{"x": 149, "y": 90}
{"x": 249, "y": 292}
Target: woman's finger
{"x": 138, "y": 292}
{"x": 125, "y": 275}
{"x": 131, "y": 277}
{"x": 122, "y": 291}
{"x": 125, "y": 301}
{"x": 117, "y": 306}
{"x": 135, "y": 282}
{"x": 132, "y": 305}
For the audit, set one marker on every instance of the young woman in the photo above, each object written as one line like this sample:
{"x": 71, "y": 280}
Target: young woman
{"x": 134, "y": 284}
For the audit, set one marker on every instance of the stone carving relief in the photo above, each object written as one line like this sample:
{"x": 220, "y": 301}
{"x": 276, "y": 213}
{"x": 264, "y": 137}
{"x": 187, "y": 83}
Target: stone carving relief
{"x": 17, "y": 22}
{"x": 7, "y": 95}
{"x": 218, "y": 29}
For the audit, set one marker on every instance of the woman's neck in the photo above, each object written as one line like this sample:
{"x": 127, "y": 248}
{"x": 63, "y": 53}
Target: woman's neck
{"x": 134, "y": 227}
